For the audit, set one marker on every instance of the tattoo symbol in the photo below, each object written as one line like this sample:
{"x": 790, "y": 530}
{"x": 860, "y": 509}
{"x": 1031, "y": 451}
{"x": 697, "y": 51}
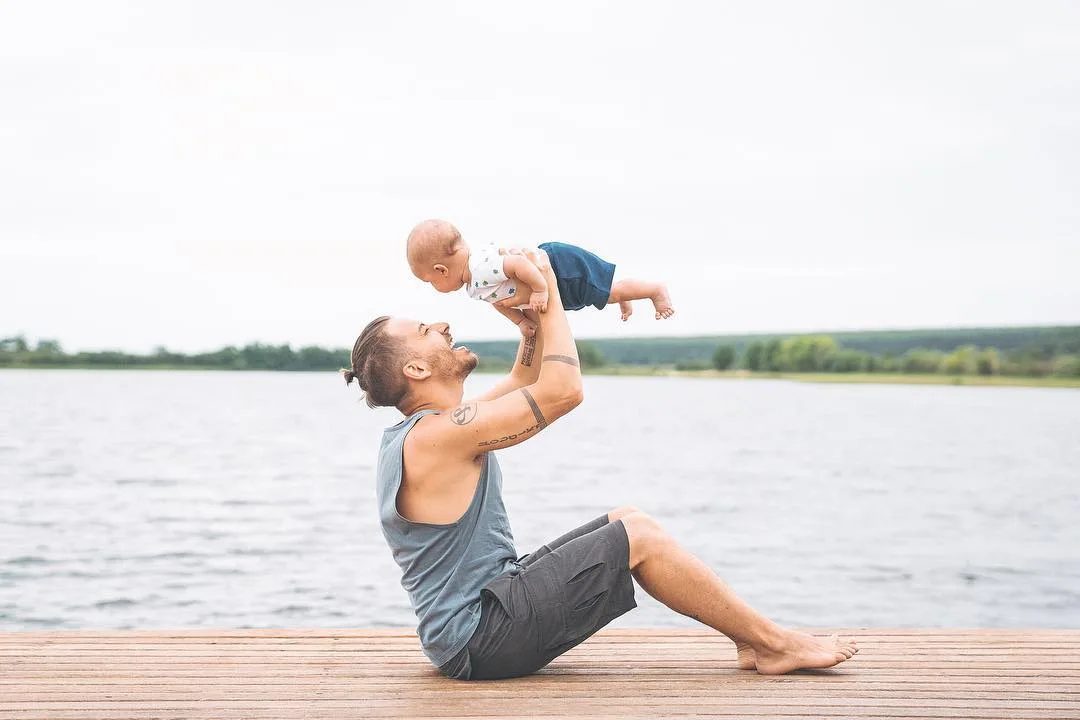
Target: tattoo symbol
{"x": 464, "y": 414}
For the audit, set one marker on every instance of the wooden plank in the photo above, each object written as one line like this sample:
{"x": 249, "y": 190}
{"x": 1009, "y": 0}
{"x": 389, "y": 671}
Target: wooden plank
{"x": 275, "y": 694}
{"x": 802, "y": 683}
{"x": 532, "y": 709}
{"x": 319, "y": 673}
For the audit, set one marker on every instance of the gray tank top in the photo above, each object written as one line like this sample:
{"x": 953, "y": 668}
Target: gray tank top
{"x": 443, "y": 567}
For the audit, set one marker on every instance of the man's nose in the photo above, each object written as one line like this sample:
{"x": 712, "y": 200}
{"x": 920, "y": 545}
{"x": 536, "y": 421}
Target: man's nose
{"x": 442, "y": 327}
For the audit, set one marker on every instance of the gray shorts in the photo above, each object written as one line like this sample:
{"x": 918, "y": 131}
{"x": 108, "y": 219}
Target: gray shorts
{"x": 557, "y": 597}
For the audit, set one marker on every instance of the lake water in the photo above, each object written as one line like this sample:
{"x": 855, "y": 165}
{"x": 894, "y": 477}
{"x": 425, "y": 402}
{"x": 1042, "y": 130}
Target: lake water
{"x": 197, "y": 499}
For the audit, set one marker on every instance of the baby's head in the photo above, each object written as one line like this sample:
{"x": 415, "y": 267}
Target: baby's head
{"x": 437, "y": 255}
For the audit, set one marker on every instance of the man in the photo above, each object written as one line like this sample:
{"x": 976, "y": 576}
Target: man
{"x": 484, "y": 613}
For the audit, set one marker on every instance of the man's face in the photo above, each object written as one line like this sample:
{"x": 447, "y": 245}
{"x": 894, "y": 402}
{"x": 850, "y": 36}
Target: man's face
{"x": 434, "y": 344}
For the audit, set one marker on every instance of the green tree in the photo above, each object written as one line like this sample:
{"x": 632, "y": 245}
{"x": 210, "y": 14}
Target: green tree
{"x": 770, "y": 359}
{"x": 921, "y": 361}
{"x": 961, "y": 361}
{"x": 724, "y": 357}
{"x": 589, "y": 355}
{"x": 874, "y": 363}
{"x": 1067, "y": 366}
{"x": 807, "y": 353}
{"x": 846, "y": 360}
{"x": 49, "y": 348}
{"x": 15, "y": 344}
{"x": 988, "y": 362}
{"x": 754, "y": 355}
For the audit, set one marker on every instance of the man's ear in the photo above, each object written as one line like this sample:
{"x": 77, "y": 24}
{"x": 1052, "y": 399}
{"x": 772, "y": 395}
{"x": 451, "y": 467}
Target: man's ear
{"x": 441, "y": 269}
{"x": 416, "y": 369}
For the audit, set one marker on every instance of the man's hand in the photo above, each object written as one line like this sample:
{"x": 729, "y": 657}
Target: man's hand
{"x": 538, "y": 257}
{"x": 527, "y": 327}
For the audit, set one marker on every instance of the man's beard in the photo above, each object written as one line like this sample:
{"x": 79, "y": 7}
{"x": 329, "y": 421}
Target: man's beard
{"x": 454, "y": 364}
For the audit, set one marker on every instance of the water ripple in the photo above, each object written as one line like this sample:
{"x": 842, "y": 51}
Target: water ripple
{"x": 28, "y": 560}
{"x": 254, "y": 505}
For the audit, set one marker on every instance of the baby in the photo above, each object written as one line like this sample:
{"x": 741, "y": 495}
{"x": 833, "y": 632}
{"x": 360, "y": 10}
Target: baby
{"x": 512, "y": 283}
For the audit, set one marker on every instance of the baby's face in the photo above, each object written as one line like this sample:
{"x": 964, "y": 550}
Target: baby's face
{"x": 441, "y": 277}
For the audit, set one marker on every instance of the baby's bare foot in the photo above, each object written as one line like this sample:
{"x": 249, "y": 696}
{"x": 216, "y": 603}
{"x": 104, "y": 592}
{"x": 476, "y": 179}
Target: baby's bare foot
{"x": 662, "y": 302}
{"x": 627, "y": 309}
{"x": 747, "y": 657}
{"x": 800, "y": 651}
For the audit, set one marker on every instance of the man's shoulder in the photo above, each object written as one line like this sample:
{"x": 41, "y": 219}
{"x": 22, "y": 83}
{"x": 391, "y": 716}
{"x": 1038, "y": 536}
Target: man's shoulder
{"x": 429, "y": 442}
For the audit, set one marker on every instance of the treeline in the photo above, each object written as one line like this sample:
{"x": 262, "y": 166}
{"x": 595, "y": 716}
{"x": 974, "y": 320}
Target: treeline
{"x": 1027, "y": 352}
{"x": 1039, "y": 344}
{"x": 17, "y": 352}
{"x": 822, "y": 354}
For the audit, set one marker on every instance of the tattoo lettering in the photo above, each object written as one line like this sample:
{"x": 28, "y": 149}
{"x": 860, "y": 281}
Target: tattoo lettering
{"x": 562, "y": 358}
{"x": 514, "y": 436}
{"x": 464, "y": 414}
{"x": 540, "y": 419}
{"x": 528, "y": 347}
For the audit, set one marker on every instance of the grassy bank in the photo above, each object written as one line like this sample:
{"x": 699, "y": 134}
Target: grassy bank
{"x": 879, "y": 378}
{"x": 669, "y": 371}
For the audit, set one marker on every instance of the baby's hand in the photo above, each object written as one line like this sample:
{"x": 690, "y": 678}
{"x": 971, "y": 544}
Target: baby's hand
{"x": 538, "y": 301}
{"x": 527, "y": 327}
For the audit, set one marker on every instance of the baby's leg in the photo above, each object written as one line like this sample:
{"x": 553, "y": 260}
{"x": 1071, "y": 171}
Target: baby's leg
{"x": 624, "y": 291}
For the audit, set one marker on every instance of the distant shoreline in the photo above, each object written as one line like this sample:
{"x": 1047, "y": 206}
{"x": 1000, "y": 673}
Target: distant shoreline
{"x": 661, "y": 371}
{"x": 865, "y": 378}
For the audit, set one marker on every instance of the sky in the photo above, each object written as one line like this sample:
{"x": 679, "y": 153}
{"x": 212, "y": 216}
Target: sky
{"x": 200, "y": 174}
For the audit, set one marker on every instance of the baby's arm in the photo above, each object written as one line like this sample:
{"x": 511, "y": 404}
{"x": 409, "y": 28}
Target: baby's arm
{"x": 525, "y": 325}
{"x": 521, "y": 268}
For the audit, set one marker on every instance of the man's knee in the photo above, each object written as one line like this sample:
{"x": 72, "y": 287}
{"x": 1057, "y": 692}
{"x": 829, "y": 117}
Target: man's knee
{"x": 620, "y": 512}
{"x": 646, "y": 536}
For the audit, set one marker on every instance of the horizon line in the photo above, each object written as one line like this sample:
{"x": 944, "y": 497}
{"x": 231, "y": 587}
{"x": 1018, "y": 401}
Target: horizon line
{"x": 697, "y": 336}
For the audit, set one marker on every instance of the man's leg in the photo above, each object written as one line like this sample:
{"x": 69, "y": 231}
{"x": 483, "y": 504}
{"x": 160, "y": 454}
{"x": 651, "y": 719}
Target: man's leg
{"x": 688, "y": 586}
{"x": 576, "y": 533}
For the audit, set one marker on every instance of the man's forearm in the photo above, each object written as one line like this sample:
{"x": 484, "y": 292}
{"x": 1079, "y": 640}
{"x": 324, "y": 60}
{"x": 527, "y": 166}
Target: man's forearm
{"x": 513, "y": 314}
{"x": 559, "y": 365}
{"x": 530, "y": 350}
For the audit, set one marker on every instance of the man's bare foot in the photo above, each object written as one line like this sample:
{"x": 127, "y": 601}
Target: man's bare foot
{"x": 627, "y": 309}
{"x": 662, "y": 302}
{"x": 747, "y": 657}
{"x": 799, "y": 651}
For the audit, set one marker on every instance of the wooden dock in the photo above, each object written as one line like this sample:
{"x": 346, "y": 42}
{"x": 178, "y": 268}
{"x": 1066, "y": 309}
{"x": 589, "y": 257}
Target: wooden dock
{"x": 337, "y": 674}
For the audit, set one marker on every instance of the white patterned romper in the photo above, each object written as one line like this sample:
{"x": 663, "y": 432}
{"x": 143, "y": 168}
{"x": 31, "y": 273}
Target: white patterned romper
{"x": 489, "y": 282}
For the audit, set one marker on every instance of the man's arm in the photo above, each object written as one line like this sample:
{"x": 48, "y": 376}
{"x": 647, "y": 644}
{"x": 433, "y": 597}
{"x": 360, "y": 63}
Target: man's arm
{"x": 478, "y": 426}
{"x": 513, "y": 314}
{"x": 526, "y": 367}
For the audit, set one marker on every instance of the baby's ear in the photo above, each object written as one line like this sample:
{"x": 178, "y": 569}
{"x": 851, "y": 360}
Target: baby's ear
{"x": 441, "y": 269}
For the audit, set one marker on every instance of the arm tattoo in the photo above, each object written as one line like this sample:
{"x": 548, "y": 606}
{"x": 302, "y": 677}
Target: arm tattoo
{"x": 512, "y": 436}
{"x": 561, "y": 358}
{"x": 528, "y": 347}
{"x": 463, "y": 414}
{"x": 540, "y": 419}
{"x": 541, "y": 423}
